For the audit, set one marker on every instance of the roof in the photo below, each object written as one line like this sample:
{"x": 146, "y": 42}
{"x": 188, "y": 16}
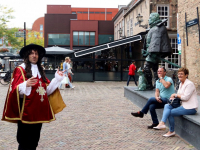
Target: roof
{"x": 131, "y": 7}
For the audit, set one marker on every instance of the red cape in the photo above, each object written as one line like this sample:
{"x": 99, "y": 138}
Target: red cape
{"x": 35, "y": 109}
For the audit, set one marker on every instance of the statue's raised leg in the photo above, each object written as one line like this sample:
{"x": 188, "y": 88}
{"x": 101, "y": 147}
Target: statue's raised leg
{"x": 148, "y": 75}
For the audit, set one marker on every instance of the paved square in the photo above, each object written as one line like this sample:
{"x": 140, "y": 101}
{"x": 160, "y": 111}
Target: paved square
{"x": 97, "y": 117}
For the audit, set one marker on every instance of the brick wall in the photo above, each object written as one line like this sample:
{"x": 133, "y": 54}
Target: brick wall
{"x": 190, "y": 56}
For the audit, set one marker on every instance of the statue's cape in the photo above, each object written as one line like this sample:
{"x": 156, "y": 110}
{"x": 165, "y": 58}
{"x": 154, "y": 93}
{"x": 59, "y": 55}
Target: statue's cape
{"x": 35, "y": 108}
{"x": 160, "y": 42}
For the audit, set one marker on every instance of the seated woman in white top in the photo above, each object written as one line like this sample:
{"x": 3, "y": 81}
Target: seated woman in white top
{"x": 188, "y": 95}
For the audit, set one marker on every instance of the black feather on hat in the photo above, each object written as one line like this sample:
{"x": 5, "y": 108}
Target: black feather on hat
{"x": 41, "y": 50}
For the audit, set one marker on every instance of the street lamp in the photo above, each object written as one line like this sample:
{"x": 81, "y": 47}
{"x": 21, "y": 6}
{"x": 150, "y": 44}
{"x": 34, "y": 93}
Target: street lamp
{"x": 139, "y": 19}
{"x": 120, "y": 33}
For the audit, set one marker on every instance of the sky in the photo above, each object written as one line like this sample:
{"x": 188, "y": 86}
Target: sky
{"x": 30, "y": 10}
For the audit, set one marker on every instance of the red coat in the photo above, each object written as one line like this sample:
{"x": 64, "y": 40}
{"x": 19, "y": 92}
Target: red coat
{"x": 132, "y": 69}
{"x": 35, "y": 108}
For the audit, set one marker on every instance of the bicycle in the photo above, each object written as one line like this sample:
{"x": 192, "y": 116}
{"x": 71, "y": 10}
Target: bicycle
{"x": 6, "y": 79}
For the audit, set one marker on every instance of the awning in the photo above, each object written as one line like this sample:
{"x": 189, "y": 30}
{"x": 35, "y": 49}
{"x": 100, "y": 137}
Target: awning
{"x": 108, "y": 45}
{"x": 55, "y": 50}
{"x": 8, "y": 55}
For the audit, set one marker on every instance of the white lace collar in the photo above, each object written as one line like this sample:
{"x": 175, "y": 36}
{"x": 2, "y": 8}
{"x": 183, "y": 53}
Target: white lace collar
{"x": 34, "y": 69}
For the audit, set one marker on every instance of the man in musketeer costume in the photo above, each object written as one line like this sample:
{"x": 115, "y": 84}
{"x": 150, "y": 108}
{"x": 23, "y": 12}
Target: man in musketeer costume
{"x": 32, "y": 99}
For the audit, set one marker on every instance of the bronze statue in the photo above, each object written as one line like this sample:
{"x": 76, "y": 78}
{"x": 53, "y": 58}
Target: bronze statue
{"x": 142, "y": 82}
{"x": 156, "y": 47}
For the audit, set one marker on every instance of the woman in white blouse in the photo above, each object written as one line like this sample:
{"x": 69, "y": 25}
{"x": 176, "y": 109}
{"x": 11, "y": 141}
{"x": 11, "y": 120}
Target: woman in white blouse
{"x": 188, "y": 95}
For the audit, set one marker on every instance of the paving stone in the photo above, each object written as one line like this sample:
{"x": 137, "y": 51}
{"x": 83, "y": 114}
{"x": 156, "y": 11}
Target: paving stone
{"x": 97, "y": 117}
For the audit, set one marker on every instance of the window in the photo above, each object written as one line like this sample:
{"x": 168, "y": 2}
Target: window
{"x": 79, "y": 12}
{"x": 87, "y": 38}
{"x": 118, "y": 31}
{"x": 127, "y": 28}
{"x": 80, "y": 38}
{"x": 92, "y": 38}
{"x": 115, "y": 33}
{"x": 102, "y": 12}
{"x": 35, "y": 34}
{"x": 1, "y": 41}
{"x": 85, "y": 12}
{"x": 96, "y": 12}
{"x": 131, "y": 27}
{"x": 73, "y": 12}
{"x": 163, "y": 11}
{"x": 83, "y": 38}
{"x": 58, "y": 39}
{"x": 174, "y": 58}
{"x": 75, "y": 38}
{"x": 41, "y": 27}
{"x": 91, "y": 12}
{"x": 41, "y": 34}
{"x": 108, "y": 12}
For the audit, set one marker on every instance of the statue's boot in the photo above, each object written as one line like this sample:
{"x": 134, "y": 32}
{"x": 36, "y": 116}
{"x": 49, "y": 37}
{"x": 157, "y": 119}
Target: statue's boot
{"x": 148, "y": 76}
{"x": 155, "y": 78}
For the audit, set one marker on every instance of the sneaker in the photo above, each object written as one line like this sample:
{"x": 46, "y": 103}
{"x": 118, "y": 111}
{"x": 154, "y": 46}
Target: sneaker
{"x": 138, "y": 114}
{"x": 151, "y": 126}
{"x": 73, "y": 87}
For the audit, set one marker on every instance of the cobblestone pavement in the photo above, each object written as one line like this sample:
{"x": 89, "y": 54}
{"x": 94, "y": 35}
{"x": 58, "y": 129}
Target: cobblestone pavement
{"x": 97, "y": 117}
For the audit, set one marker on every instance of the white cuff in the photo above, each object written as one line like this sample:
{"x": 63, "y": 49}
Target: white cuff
{"x": 58, "y": 77}
{"x": 55, "y": 82}
{"x": 23, "y": 90}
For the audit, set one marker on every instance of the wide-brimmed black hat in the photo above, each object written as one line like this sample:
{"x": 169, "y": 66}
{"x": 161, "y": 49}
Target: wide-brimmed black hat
{"x": 41, "y": 50}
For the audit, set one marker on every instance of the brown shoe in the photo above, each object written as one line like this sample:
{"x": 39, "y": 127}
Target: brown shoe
{"x": 151, "y": 126}
{"x": 138, "y": 114}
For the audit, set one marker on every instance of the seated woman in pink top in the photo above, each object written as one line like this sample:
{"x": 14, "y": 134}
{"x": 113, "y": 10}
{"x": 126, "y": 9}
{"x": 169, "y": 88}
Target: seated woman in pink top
{"x": 188, "y": 95}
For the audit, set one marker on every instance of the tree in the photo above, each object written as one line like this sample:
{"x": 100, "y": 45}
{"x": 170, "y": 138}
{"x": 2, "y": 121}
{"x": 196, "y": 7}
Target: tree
{"x": 32, "y": 37}
{"x": 8, "y": 34}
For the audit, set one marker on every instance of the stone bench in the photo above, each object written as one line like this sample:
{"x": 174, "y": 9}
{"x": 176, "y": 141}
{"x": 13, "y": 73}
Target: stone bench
{"x": 187, "y": 126}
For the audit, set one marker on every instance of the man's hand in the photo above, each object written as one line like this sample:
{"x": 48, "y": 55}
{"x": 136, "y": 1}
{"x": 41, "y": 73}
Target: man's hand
{"x": 31, "y": 82}
{"x": 60, "y": 73}
{"x": 158, "y": 100}
{"x": 159, "y": 76}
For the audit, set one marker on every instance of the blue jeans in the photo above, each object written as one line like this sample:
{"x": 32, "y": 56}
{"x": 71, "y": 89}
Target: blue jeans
{"x": 129, "y": 77}
{"x": 170, "y": 112}
{"x": 151, "y": 105}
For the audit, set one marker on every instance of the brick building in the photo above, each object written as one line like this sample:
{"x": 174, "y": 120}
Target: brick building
{"x": 190, "y": 54}
{"x": 131, "y": 26}
{"x": 78, "y": 28}
{"x": 38, "y": 26}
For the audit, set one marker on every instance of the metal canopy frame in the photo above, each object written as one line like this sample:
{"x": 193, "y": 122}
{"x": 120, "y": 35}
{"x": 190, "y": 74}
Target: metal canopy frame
{"x": 108, "y": 45}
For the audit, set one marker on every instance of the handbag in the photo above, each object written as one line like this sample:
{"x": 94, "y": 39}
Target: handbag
{"x": 65, "y": 80}
{"x": 176, "y": 102}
